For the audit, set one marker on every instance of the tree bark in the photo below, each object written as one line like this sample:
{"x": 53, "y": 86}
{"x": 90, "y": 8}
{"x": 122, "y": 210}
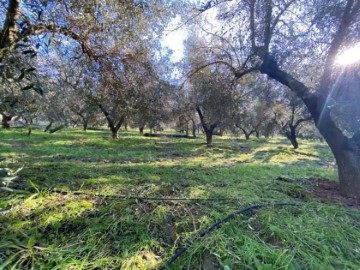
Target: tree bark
{"x": 141, "y": 129}
{"x": 9, "y": 30}
{"x": 208, "y": 129}
{"x": 85, "y": 125}
{"x": 291, "y": 135}
{"x": 345, "y": 150}
{"x": 209, "y": 135}
{"x": 29, "y": 125}
{"x": 48, "y": 126}
{"x": 5, "y": 121}
{"x": 193, "y": 128}
{"x": 56, "y": 129}
{"x": 114, "y": 133}
{"x": 348, "y": 164}
{"x": 113, "y": 124}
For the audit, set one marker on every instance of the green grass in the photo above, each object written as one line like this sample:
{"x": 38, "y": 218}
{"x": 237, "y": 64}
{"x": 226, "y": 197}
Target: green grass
{"x": 47, "y": 230}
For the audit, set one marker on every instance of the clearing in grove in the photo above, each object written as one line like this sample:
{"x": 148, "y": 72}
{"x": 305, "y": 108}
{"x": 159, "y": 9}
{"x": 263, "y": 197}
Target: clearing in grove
{"x": 77, "y": 203}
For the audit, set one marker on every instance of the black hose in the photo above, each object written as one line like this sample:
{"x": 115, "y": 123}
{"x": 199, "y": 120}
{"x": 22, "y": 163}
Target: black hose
{"x": 216, "y": 225}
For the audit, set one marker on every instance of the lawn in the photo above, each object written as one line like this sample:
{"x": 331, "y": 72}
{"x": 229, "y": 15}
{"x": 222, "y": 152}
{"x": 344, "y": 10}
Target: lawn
{"x": 79, "y": 203}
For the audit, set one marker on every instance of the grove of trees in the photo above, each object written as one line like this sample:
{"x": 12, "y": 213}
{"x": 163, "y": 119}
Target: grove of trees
{"x": 261, "y": 68}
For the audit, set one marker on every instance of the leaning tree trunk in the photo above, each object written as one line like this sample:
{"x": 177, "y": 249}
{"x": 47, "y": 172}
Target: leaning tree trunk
{"x": 5, "y": 121}
{"x": 48, "y": 126}
{"x": 346, "y": 150}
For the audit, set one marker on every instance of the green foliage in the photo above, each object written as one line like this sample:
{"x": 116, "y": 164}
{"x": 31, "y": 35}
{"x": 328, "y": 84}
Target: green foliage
{"x": 41, "y": 229}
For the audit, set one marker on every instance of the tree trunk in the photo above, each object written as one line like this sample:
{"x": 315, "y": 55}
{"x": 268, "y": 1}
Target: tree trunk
{"x": 348, "y": 164}
{"x": 346, "y": 152}
{"x": 141, "y": 129}
{"x": 112, "y": 124}
{"x": 85, "y": 125}
{"x": 193, "y": 128}
{"x": 114, "y": 133}
{"x": 208, "y": 129}
{"x": 29, "y": 125}
{"x": 294, "y": 142}
{"x": 56, "y": 129}
{"x": 257, "y": 134}
{"x": 247, "y": 136}
{"x": 291, "y": 135}
{"x": 48, "y": 126}
{"x": 209, "y": 135}
{"x": 5, "y": 121}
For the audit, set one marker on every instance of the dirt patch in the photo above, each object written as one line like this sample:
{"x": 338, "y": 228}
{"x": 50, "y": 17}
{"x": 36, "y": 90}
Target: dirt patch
{"x": 321, "y": 189}
{"x": 325, "y": 190}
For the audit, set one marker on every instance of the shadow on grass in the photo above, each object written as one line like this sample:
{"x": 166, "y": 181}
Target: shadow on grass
{"x": 60, "y": 231}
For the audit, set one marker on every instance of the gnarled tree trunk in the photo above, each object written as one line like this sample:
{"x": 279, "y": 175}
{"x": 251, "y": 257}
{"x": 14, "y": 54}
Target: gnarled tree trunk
{"x": 208, "y": 128}
{"x": 346, "y": 150}
{"x": 291, "y": 135}
{"x": 113, "y": 124}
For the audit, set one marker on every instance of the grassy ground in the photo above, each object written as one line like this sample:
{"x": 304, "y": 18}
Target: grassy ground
{"x": 42, "y": 229}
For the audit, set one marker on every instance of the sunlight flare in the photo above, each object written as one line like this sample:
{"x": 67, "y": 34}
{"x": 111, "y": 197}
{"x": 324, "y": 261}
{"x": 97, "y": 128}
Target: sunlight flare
{"x": 349, "y": 56}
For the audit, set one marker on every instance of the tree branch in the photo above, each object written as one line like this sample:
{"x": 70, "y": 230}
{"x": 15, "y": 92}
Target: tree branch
{"x": 349, "y": 14}
{"x": 9, "y": 31}
{"x": 298, "y": 122}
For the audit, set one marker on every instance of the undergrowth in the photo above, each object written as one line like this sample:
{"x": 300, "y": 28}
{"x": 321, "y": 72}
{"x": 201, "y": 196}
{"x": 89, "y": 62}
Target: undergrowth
{"x": 43, "y": 229}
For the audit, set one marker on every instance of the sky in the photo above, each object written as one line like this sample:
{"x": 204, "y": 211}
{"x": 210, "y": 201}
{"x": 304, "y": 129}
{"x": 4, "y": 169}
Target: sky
{"x": 174, "y": 35}
{"x": 174, "y": 40}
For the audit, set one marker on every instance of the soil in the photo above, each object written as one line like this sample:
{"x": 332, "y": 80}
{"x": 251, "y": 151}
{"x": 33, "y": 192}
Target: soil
{"x": 328, "y": 191}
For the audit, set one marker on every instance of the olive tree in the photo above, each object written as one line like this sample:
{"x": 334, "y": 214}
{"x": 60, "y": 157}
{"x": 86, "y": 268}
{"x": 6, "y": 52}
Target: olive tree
{"x": 287, "y": 40}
